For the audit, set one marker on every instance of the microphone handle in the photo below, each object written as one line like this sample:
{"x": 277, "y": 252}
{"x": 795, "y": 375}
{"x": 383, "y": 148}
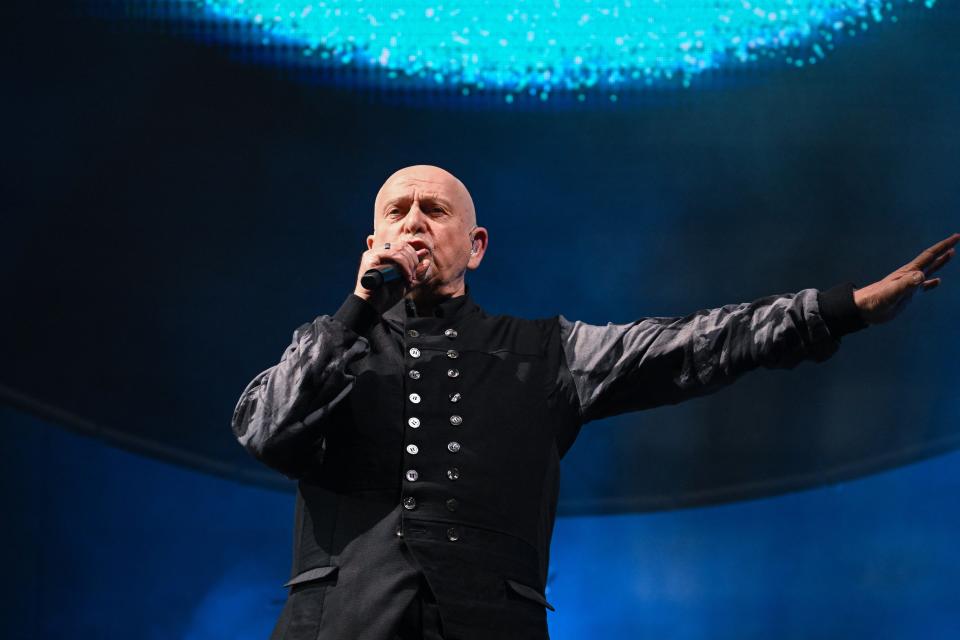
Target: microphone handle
{"x": 377, "y": 277}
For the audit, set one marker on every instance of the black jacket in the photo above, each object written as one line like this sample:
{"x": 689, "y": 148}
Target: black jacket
{"x": 441, "y": 437}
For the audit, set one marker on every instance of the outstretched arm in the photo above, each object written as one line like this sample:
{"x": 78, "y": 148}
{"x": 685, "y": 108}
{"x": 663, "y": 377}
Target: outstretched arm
{"x": 665, "y": 360}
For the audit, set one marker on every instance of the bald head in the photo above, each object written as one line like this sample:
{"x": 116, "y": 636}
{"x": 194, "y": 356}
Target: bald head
{"x": 427, "y": 208}
{"x": 428, "y": 180}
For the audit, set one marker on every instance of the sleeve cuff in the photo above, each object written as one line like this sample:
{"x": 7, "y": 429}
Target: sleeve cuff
{"x": 357, "y": 314}
{"x": 839, "y": 311}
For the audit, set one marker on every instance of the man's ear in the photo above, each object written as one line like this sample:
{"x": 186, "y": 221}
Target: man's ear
{"x": 478, "y": 247}
{"x": 369, "y": 242}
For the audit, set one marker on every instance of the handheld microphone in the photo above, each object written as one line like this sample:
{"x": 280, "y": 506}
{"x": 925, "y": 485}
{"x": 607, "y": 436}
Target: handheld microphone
{"x": 377, "y": 277}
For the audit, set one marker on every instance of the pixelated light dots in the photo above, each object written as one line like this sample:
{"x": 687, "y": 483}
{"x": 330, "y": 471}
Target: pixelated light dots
{"x": 537, "y": 47}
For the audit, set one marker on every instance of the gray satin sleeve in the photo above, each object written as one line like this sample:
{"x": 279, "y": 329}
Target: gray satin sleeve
{"x": 280, "y": 415}
{"x": 661, "y": 360}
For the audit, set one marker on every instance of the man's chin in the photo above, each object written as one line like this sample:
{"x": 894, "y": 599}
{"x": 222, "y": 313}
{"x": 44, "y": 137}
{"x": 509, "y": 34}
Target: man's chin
{"x": 424, "y": 290}
{"x": 420, "y": 290}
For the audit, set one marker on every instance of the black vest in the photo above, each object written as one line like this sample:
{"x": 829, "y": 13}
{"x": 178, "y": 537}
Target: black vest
{"x": 460, "y": 435}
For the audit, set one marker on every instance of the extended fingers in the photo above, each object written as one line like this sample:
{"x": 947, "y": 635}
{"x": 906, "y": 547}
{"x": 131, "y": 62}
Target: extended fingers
{"x": 930, "y": 255}
{"x": 941, "y": 260}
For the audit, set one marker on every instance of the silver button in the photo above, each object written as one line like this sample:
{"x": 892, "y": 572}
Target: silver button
{"x": 412, "y": 475}
{"x": 453, "y": 447}
{"x": 414, "y": 374}
{"x": 452, "y": 534}
{"x": 450, "y": 333}
{"x": 399, "y": 532}
{"x": 452, "y": 504}
{"x": 455, "y": 397}
{"x": 452, "y": 354}
{"x": 453, "y": 373}
{"x": 456, "y": 420}
{"x": 410, "y": 503}
{"x": 413, "y": 333}
{"x": 414, "y": 422}
{"x": 414, "y": 352}
{"x": 453, "y": 473}
{"x": 413, "y": 449}
{"x": 414, "y": 398}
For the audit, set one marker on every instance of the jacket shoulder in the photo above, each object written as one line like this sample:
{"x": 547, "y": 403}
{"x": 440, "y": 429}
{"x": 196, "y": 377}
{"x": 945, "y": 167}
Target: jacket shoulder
{"x": 528, "y": 333}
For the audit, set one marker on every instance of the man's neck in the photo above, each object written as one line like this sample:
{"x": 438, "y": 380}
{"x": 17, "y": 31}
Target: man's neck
{"x": 427, "y": 300}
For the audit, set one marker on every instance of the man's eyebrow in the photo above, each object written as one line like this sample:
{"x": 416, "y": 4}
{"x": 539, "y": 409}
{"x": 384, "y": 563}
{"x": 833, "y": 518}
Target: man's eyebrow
{"x": 428, "y": 198}
{"x": 393, "y": 201}
{"x": 438, "y": 200}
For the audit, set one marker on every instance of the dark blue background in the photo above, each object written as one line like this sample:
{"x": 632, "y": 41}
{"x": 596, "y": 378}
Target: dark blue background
{"x": 172, "y": 210}
{"x": 99, "y": 543}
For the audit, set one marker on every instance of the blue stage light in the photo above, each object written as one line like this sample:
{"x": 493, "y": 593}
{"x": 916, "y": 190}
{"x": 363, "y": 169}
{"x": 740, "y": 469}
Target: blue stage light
{"x": 535, "y": 48}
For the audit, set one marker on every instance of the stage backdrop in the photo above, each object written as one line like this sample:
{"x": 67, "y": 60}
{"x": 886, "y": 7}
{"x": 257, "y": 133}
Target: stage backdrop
{"x": 178, "y": 196}
{"x": 176, "y": 206}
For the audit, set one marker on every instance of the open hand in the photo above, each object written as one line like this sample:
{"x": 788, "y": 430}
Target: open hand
{"x": 884, "y": 299}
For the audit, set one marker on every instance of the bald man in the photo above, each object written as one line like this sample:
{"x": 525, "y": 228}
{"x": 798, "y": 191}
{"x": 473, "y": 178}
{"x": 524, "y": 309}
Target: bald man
{"x": 423, "y": 221}
{"x": 426, "y": 435}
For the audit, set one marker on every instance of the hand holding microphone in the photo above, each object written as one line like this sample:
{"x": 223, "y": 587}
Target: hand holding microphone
{"x": 388, "y": 270}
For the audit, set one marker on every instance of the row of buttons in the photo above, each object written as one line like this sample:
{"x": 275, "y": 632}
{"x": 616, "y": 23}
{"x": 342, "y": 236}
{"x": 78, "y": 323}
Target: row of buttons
{"x": 453, "y": 473}
{"x": 414, "y": 421}
{"x": 410, "y": 503}
{"x": 453, "y": 354}
{"x": 450, "y": 333}
{"x": 415, "y": 399}
{"x": 452, "y": 447}
{"x": 451, "y": 373}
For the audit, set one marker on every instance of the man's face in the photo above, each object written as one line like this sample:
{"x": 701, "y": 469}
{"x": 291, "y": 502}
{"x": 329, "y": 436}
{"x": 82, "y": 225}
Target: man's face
{"x": 429, "y": 208}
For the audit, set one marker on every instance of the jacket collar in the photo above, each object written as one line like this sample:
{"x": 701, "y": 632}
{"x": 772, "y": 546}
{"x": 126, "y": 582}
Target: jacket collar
{"x": 450, "y": 309}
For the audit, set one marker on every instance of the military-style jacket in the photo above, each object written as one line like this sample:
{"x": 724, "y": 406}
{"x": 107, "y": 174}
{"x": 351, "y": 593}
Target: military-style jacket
{"x": 445, "y": 434}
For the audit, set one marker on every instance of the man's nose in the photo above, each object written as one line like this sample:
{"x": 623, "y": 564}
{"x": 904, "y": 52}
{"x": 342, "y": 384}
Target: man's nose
{"x": 415, "y": 220}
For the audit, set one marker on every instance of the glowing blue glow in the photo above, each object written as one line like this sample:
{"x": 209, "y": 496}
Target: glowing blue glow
{"x": 540, "y": 46}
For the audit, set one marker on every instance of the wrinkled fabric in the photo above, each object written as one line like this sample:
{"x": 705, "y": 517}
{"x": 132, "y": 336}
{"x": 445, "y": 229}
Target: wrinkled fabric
{"x": 274, "y": 417}
{"x": 656, "y": 361}
{"x": 335, "y": 413}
